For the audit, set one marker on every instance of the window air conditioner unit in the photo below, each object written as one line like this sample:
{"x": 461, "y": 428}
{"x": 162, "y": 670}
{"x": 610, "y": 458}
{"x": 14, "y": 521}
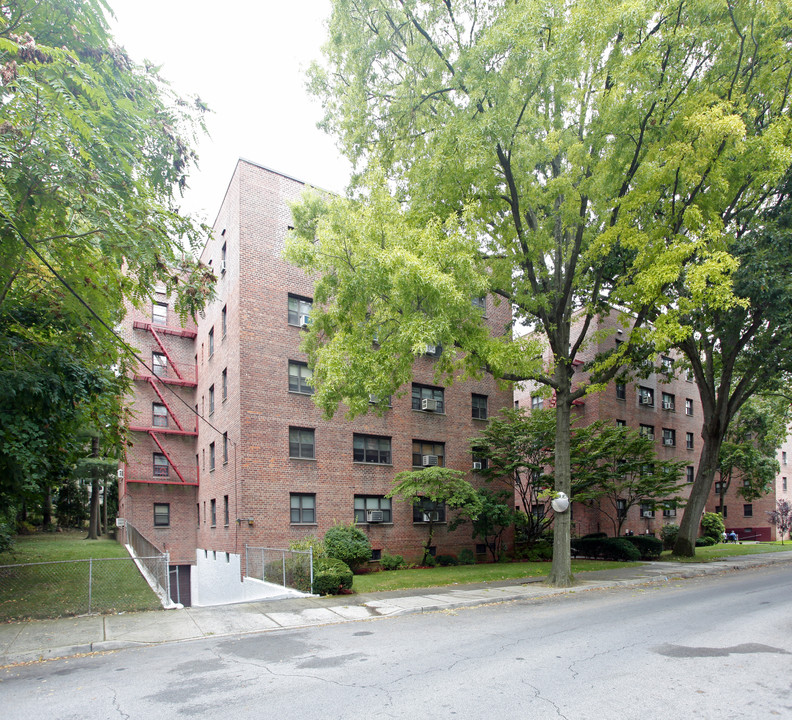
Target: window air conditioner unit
{"x": 647, "y": 513}
{"x": 305, "y": 321}
{"x": 429, "y": 460}
{"x": 222, "y": 268}
{"x": 645, "y": 400}
{"x": 668, "y": 442}
{"x": 476, "y": 465}
{"x": 433, "y": 516}
{"x": 431, "y": 349}
{"x": 374, "y": 516}
{"x": 120, "y": 473}
{"x": 667, "y": 405}
{"x": 429, "y": 405}
{"x": 373, "y": 398}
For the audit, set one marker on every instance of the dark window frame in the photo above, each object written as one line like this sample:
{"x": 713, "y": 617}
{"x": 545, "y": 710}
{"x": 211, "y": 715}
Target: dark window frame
{"x": 422, "y": 392}
{"x": 385, "y": 505}
{"x": 162, "y": 514}
{"x": 478, "y": 413}
{"x": 299, "y": 512}
{"x": 364, "y": 450}
{"x": 293, "y": 315}
{"x": 298, "y": 442}
{"x": 301, "y": 385}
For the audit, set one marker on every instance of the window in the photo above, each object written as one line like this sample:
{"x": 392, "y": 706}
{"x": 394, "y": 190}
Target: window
{"x": 621, "y": 391}
{"x": 748, "y": 510}
{"x": 211, "y": 342}
{"x": 538, "y": 511}
{"x": 225, "y": 448}
{"x": 161, "y": 465}
{"x": 621, "y": 509}
{"x": 159, "y": 415}
{"x": 213, "y": 512}
{"x": 371, "y": 449}
{"x": 198, "y": 511}
{"x": 722, "y": 510}
{"x": 300, "y": 378}
{"x": 429, "y": 453}
{"x": 669, "y": 437}
{"x": 669, "y": 509}
{"x": 689, "y": 440}
{"x": 479, "y": 460}
{"x": 433, "y": 396}
{"x": 225, "y": 510}
{"x": 688, "y": 406}
{"x": 225, "y": 384}
{"x": 223, "y": 254}
{"x": 667, "y": 365}
{"x": 536, "y": 402}
{"x": 783, "y": 457}
{"x": 647, "y": 431}
{"x": 480, "y": 407}
{"x": 372, "y": 502}
{"x": 720, "y": 486}
{"x": 669, "y": 402}
{"x": 425, "y": 510}
{"x": 159, "y": 313}
{"x": 621, "y": 423}
{"x": 434, "y": 350}
{"x": 377, "y": 400}
{"x": 645, "y": 396}
{"x": 647, "y": 510}
{"x": 480, "y": 303}
{"x": 161, "y": 514}
{"x": 159, "y": 364}
{"x": 303, "y": 507}
{"x": 783, "y": 483}
{"x": 211, "y": 456}
{"x": 690, "y": 473}
{"x": 224, "y": 321}
{"x": 298, "y": 307}
{"x": 211, "y": 399}
{"x": 301, "y": 443}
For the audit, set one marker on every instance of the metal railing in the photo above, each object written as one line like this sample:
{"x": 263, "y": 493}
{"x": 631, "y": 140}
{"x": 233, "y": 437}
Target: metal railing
{"x": 74, "y": 587}
{"x": 289, "y": 568}
{"x": 155, "y": 562}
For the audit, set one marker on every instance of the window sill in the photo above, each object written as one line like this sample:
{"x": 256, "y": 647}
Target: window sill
{"x": 305, "y": 524}
{"x": 428, "y": 412}
{"x": 297, "y": 392}
{"x": 424, "y": 522}
{"x": 363, "y": 522}
{"x": 363, "y": 462}
{"x": 480, "y": 419}
{"x": 291, "y": 457}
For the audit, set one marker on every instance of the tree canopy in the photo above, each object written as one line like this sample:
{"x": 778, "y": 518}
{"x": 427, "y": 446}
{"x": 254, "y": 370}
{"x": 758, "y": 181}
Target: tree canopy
{"x": 94, "y": 151}
{"x": 567, "y": 156}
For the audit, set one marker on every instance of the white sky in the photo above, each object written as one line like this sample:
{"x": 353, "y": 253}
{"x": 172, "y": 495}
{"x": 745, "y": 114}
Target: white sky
{"x": 247, "y": 61}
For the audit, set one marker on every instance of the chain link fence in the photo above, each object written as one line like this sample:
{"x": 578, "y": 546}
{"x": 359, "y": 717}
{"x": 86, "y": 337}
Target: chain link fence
{"x": 74, "y": 587}
{"x": 289, "y": 568}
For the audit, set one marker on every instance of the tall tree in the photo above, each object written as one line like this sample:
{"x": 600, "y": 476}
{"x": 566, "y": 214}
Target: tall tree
{"x": 562, "y": 156}
{"x": 737, "y": 352}
{"x": 94, "y": 150}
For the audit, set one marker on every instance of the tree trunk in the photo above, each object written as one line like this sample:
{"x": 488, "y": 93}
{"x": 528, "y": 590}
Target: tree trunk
{"x": 685, "y": 545}
{"x": 93, "y": 523}
{"x": 46, "y": 509}
{"x": 104, "y": 504}
{"x": 561, "y": 571}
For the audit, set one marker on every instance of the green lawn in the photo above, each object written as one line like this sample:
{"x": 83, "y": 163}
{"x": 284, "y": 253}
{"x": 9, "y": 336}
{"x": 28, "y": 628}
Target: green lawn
{"x": 721, "y": 550}
{"x": 59, "y": 589}
{"x": 461, "y": 574}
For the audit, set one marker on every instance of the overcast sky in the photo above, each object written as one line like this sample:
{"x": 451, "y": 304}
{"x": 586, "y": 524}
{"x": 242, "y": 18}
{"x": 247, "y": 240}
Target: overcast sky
{"x": 247, "y": 61}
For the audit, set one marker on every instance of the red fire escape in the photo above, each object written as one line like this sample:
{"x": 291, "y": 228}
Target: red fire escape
{"x": 155, "y": 379}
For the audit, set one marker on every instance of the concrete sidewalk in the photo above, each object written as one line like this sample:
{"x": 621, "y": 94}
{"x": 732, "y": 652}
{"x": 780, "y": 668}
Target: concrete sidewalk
{"x": 44, "y": 639}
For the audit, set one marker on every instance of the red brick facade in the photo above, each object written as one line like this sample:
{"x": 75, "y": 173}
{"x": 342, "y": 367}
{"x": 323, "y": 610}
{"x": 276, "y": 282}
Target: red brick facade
{"x": 247, "y": 372}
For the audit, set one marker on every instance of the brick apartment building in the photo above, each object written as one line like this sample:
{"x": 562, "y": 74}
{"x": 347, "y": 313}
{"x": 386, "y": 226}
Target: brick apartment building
{"x": 666, "y": 406}
{"x": 261, "y": 466}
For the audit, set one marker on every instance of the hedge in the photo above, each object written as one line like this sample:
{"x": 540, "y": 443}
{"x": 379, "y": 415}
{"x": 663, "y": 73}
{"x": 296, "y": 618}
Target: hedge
{"x": 606, "y": 548}
{"x": 649, "y": 547}
{"x": 331, "y": 576}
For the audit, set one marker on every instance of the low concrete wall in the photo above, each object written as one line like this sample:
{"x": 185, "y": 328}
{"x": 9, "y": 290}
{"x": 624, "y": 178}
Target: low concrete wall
{"x": 215, "y": 580}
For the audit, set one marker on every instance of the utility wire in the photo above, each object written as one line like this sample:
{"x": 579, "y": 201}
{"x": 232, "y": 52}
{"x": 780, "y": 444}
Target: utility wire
{"x": 127, "y": 347}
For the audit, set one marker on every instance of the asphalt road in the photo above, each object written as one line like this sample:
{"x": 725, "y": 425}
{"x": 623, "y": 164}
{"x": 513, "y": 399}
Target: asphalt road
{"x": 717, "y": 647}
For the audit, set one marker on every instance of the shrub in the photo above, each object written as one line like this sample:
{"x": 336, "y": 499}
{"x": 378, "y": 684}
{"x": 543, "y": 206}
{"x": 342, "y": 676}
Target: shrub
{"x": 331, "y": 576}
{"x": 466, "y": 557}
{"x": 595, "y": 535}
{"x": 428, "y": 561}
{"x": 391, "y": 562}
{"x": 712, "y": 526}
{"x": 446, "y": 560}
{"x": 310, "y": 541}
{"x": 606, "y": 548}
{"x": 669, "y": 533}
{"x": 706, "y": 541}
{"x": 649, "y": 547}
{"x": 6, "y": 537}
{"x": 347, "y": 543}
